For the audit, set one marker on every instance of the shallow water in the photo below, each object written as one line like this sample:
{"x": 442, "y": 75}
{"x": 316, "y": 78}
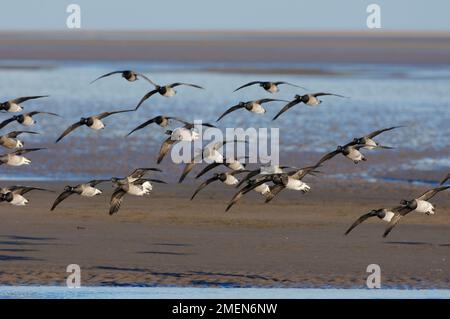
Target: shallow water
{"x": 50, "y": 292}
{"x": 381, "y": 96}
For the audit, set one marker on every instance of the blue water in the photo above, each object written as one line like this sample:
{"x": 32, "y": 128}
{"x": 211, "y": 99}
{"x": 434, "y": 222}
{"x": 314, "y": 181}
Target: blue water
{"x": 49, "y": 292}
{"x": 381, "y": 96}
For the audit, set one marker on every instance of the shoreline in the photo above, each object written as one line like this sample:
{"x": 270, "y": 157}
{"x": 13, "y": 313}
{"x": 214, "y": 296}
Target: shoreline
{"x": 304, "y": 47}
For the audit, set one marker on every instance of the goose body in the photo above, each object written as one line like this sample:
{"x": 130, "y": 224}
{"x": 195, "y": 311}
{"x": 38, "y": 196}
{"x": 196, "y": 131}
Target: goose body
{"x": 14, "y": 107}
{"x": 9, "y": 142}
{"x": 28, "y": 120}
{"x": 97, "y": 124}
{"x": 15, "y": 160}
{"x": 424, "y": 207}
{"x": 256, "y": 108}
{"x": 353, "y": 154}
{"x": 139, "y": 189}
{"x": 89, "y": 191}
{"x": 167, "y": 91}
{"x": 262, "y": 189}
{"x": 297, "y": 185}
{"x": 184, "y": 134}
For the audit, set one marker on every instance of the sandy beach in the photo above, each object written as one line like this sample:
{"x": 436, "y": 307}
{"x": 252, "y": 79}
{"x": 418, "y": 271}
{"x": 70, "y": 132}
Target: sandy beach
{"x": 164, "y": 239}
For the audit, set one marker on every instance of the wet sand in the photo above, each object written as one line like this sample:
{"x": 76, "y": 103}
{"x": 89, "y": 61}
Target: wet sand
{"x": 191, "y": 46}
{"x": 165, "y": 239}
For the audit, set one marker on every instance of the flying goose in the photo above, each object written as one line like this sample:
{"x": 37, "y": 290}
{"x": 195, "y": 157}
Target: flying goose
{"x": 93, "y": 122}
{"x": 291, "y": 180}
{"x": 165, "y": 90}
{"x": 368, "y": 141}
{"x": 445, "y": 179}
{"x": 263, "y": 188}
{"x": 9, "y": 140}
{"x": 209, "y": 153}
{"x": 420, "y": 204}
{"x": 385, "y": 214}
{"x": 271, "y": 87}
{"x": 128, "y": 75}
{"x": 226, "y": 178}
{"x": 350, "y": 151}
{"x": 137, "y": 187}
{"x": 186, "y": 133}
{"x": 16, "y": 159}
{"x": 87, "y": 190}
{"x": 137, "y": 174}
{"x": 14, "y": 106}
{"x": 264, "y": 170}
{"x": 14, "y": 194}
{"x": 254, "y": 106}
{"x": 308, "y": 99}
{"x": 25, "y": 119}
{"x": 232, "y": 163}
{"x": 161, "y": 120}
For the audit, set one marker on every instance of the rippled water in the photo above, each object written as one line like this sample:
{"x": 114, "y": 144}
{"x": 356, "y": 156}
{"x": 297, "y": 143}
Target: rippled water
{"x": 381, "y": 96}
{"x": 38, "y": 292}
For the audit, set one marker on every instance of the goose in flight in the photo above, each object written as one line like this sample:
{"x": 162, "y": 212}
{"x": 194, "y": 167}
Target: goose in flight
{"x": 16, "y": 159}
{"x": 368, "y": 141}
{"x": 265, "y": 170}
{"x": 13, "y": 106}
{"x": 160, "y": 120}
{"x": 227, "y": 178}
{"x": 420, "y": 204}
{"x": 86, "y": 190}
{"x": 136, "y": 187}
{"x": 165, "y": 90}
{"x": 291, "y": 180}
{"x": 384, "y": 214}
{"x": 14, "y": 194}
{"x": 254, "y": 106}
{"x": 349, "y": 151}
{"x": 10, "y": 140}
{"x": 137, "y": 174}
{"x": 128, "y": 75}
{"x": 445, "y": 179}
{"x": 271, "y": 87}
{"x": 262, "y": 188}
{"x": 25, "y": 119}
{"x": 308, "y": 99}
{"x": 210, "y": 153}
{"x": 232, "y": 163}
{"x": 187, "y": 133}
{"x": 93, "y": 122}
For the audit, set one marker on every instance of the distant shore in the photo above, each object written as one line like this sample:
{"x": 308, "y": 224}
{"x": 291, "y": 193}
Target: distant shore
{"x": 191, "y": 46}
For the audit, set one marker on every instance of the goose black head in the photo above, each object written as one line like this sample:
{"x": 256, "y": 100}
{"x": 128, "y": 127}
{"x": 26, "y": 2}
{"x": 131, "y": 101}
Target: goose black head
{"x": 357, "y": 141}
{"x": 127, "y": 75}
{"x": 241, "y": 103}
{"x": 409, "y": 203}
{"x": 340, "y": 148}
{"x": 168, "y": 132}
{"x": 297, "y": 97}
{"x": 68, "y": 188}
{"x": 114, "y": 179}
{"x": 7, "y": 197}
{"x": 83, "y": 120}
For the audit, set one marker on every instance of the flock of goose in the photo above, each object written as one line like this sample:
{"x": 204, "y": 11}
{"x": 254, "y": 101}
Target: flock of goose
{"x": 268, "y": 181}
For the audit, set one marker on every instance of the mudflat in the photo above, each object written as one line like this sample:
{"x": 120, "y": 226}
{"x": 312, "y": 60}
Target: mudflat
{"x": 165, "y": 239}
